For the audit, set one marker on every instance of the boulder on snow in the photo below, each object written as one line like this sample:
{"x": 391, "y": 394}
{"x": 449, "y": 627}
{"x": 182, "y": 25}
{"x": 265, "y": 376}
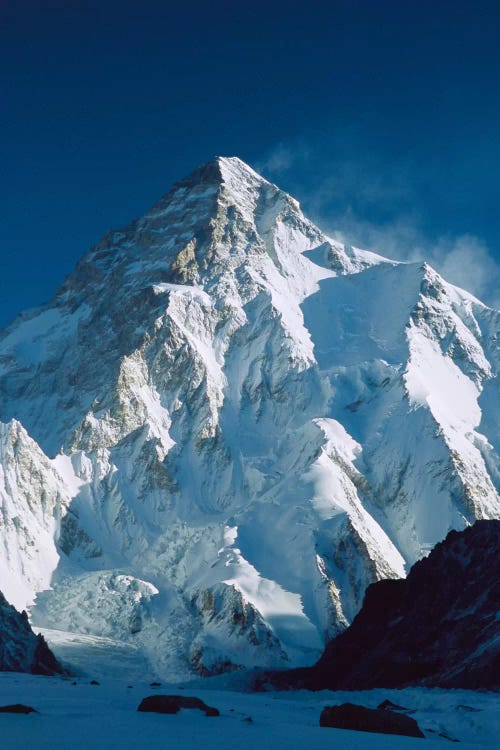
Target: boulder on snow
{"x": 362, "y": 719}
{"x": 172, "y": 704}
{"x": 17, "y": 708}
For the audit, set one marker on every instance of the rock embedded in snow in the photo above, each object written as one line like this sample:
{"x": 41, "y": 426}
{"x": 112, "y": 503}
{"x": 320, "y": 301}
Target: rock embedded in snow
{"x": 17, "y": 708}
{"x": 362, "y": 719}
{"x": 276, "y": 421}
{"x": 172, "y": 704}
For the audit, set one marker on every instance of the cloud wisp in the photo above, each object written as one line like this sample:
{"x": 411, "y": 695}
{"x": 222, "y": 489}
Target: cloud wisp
{"x": 363, "y": 203}
{"x": 464, "y": 260}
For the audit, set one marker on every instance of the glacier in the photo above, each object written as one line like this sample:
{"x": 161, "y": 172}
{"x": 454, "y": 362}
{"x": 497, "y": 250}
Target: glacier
{"x": 226, "y": 425}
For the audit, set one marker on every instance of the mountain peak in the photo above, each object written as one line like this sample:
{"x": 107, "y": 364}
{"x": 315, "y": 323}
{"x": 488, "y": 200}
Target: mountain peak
{"x": 219, "y": 170}
{"x": 223, "y": 181}
{"x": 222, "y": 174}
{"x": 224, "y": 391}
{"x": 235, "y": 174}
{"x": 233, "y": 166}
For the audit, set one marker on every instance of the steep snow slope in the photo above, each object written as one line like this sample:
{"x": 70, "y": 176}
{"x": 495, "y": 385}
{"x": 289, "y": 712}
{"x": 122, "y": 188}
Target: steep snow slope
{"x": 247, "y": 424}
{"x": 33, "y": 498}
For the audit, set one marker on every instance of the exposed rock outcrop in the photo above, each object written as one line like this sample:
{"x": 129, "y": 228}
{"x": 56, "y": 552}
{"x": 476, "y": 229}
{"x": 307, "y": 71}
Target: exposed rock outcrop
{"x": 172, "y": 704}
{"x": 362, "y": 719}
{"x": 439, "y": 627}
{"x": 17, "y": 708}
{"x": 20, "y": 649}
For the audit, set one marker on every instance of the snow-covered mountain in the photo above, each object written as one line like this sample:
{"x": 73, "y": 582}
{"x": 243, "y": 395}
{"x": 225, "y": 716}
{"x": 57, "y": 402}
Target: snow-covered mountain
{"x": 225, "y": 425}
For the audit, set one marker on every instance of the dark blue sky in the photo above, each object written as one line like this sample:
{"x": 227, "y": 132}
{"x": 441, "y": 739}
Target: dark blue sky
{"x": 381, "y": 116}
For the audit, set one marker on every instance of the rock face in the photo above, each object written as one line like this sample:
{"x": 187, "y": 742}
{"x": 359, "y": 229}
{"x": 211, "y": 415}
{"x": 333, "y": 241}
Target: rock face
{"x": 20, "y": 649}
{"x": 226, "y": 425}
{"x": 438, "y": 627}
{"x": 351, "y": 716}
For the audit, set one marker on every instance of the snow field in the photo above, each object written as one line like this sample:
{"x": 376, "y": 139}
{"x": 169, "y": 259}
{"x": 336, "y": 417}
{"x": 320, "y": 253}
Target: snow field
{"x": 104, "y": 717}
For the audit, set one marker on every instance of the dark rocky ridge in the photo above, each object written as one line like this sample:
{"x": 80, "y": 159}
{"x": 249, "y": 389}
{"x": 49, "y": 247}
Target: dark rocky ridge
{"x": 438, "y": 627}
{"x": 20, "y": 649}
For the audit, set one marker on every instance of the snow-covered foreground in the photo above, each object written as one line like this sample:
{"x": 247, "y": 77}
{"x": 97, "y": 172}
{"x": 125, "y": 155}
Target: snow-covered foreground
{"x": 84, "y": 716}
{"x": 73, "y": 714}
